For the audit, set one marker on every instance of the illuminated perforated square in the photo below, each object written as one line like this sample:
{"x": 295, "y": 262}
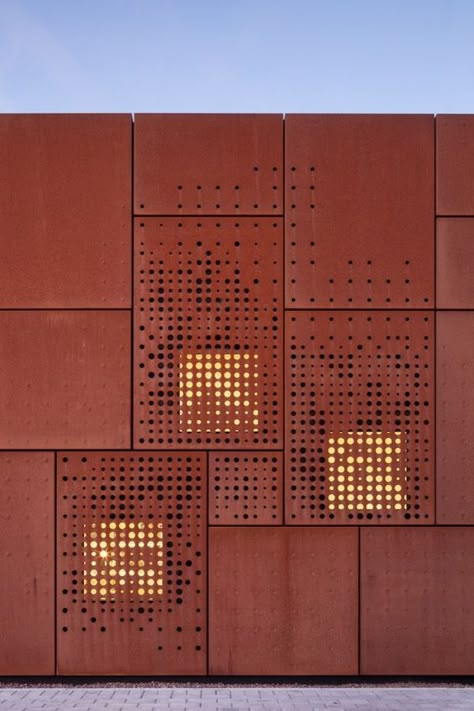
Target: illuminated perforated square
{"x": 218, "y": 392}
{"x": 123, "y": 559}
{"x": 366, "y": 472}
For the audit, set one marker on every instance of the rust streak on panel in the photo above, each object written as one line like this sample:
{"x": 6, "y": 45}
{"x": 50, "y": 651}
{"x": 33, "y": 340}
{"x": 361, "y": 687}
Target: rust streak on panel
{"x": 417, "y": 607}
{"x": 283, "y": 601}
{"x": 27, "y": 563}
{"x": 455, "y": 263}
{"x": 212, "y": 164}
{"x": 359, "y": 211}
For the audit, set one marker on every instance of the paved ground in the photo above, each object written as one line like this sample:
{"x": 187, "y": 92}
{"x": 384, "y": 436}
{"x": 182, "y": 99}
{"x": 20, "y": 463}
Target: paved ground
{"x": 238, "y": 699}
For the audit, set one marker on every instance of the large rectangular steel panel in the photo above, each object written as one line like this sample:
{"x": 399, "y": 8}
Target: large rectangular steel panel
{"x": 359, "y": 417}
{"x": 208, "y": 333}
{"x": 64, "y": 379}
{"x": 65, "y": 211}
{"x": 455, "y": 164}
{"x": 283, "y": 601}
{"x": 455, "y": 263}
{"x": 207, "y": 164}
{"x": 27, "y": 563}
{"x": 455, "y": 417}
{"x": 359, "y": 211}
{"x": 246, "y": 488}
{"x": 417, "y": 606}
{"x": 132, "y": 556}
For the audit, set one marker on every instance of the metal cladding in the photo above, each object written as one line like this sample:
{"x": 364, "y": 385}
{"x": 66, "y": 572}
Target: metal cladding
{"x": 237, "y": 395}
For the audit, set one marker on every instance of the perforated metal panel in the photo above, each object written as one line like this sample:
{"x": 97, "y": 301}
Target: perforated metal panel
{"x": 208, "y": 164}
{"x": 359, "y": 417}
{"x": 417, "y": 607}
{"x": 131, "y": 563}
{"x": 27, "y": 563}
{"x": 455, "y": 263}
{"x": 455, "y": 417}
{"x": 208, "y": 327}
{"x": 455, "y": 164}
{"x": 245, "y": 488}
{"x": 359, "y": 211}
{"x": 283, "y": 601}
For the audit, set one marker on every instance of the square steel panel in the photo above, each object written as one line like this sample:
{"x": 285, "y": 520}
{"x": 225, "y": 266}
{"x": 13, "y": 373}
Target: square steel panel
{"x": 417, "y": 606}
{"x": 27, "y": 563}
{"x": 65, "y": 206}
{"x": 359, "y": 409}
{"x": 132, "y": 557}
{"x": 455, "y": 417}
{"x": 208, "y": 164}
{"x": 455, "y": 164}
{"x": 359, "y": 211}
{"x": 64, "y": 379}
{"x": 208, "y": 333}
{"x": 455, "y": 263}
{"x": 283, "y": 601}
{"x": 246, "y": 488}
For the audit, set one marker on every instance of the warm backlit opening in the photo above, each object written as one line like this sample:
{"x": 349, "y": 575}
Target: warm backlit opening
{"x": 218, "y": 392}
{"x": 123, "y": 559}
{"x": 366, "y": 472}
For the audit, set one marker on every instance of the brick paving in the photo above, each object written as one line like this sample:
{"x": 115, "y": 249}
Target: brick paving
{"x": 238, "y": 699}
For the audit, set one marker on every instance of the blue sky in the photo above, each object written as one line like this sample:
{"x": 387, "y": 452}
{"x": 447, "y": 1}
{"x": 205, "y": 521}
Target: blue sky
{"x": 237, "y": 56}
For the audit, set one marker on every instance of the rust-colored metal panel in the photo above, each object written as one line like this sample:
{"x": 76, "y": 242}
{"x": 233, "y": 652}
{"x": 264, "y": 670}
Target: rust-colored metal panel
{"x": 455, "y": 263}
{"x": 27, "y": 563}
{"x": 132, "y": 563}
{"x": 246, "y": 488}
{"x": 455, "y": 417}
{"x": 283, "y": 601}
{"x": 455, "y": 164}
{"x": 359, "y": 211}
{"x": 208, "y": 333}
{"x": 64, "y": 379}
{"x": 209, "y": 164}
{"x": 417, "y": 606}
{"x": 359, "y": 408}
{"x": 65, "y": 207}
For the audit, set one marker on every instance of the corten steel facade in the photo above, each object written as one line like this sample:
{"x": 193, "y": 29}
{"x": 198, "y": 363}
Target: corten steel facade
{"x": 237, "y": 394}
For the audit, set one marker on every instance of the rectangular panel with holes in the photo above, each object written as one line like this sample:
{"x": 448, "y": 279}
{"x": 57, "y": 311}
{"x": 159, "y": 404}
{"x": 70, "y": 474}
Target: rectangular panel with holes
{"x": 359, "y": 211}
{"x": 27, "y": 563}
{"x": 359, "y": 417}
{"x": 208, "y": 333}
{"x": 212, "y": 164}
{"x": 245, "y": 488}
{"x": 131, "y": 563}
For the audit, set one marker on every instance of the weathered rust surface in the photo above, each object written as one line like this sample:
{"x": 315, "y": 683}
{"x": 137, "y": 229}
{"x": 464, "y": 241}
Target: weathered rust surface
{"x": 27, "y": 563}
{"x": 65, "y": 205}
{"x": 283, "y": 601}
{"x": 455, "y": 263}
{"x": 212, "y": 164}
{"x": 455, "y": 164}
{"x": 208, "y": 333}
{"x": 131, "y": 563}
{"x": 246, "y": 488}
{"x": 455, "y": 417}
{"x": 359, "y": 211}
{"x": 359, "y": 417}
{"x": 64, "y": 379}
{"x": 417, "y": 607}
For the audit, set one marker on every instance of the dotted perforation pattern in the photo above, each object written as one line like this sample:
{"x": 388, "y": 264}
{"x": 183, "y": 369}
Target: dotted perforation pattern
{"x": 359, "y": 418}
{"x": 245, "y": 488}
{"x": 132, "y": 559}
{"x": 208, "y": 345}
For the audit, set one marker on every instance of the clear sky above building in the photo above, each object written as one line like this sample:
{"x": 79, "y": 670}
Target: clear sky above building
{"x": 237, "y": 56}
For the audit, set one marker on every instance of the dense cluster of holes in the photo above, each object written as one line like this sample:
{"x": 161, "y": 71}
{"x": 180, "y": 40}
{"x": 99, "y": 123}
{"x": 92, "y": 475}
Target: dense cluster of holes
{"x": 208, "y": 333}
{"x": 131, "y": 545}
{"x": 245, "y": 488}
{"x": 359, "y": 385}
